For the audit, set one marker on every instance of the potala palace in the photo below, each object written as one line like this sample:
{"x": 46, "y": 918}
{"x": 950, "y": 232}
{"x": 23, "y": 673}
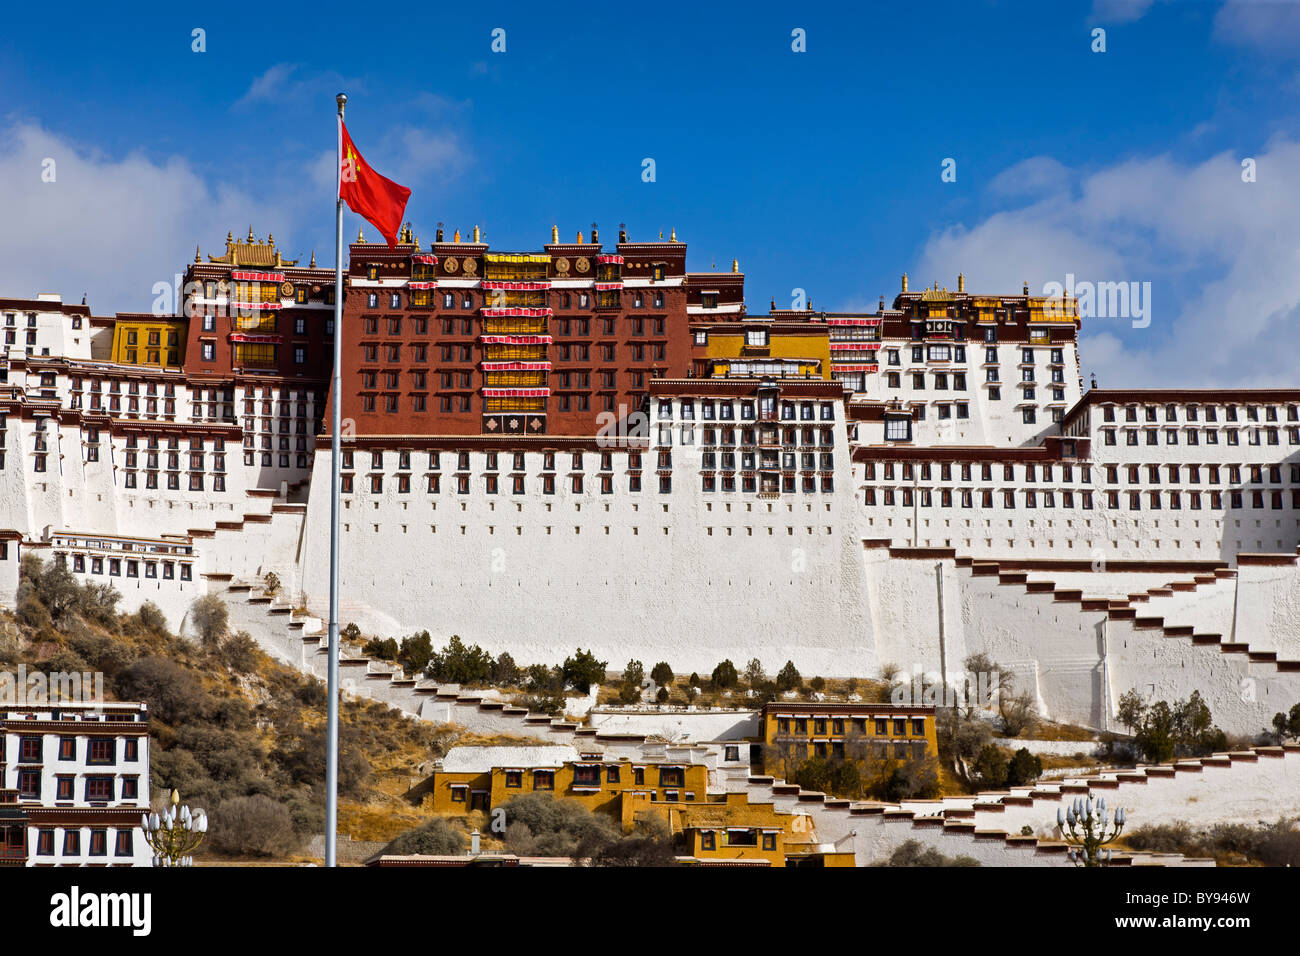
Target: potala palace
{"x": 595, "y": 447}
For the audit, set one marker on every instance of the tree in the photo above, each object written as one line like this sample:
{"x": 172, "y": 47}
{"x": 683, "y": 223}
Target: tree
{"x": 436, "y": 837}
{"x": 788, "y": 678}
{"x": 662, "y": 674}
{"x": 1130, "y": 710}
{"x": 661, "y": 695}
{"x": 1024, "y": 768}
{"x": 1019, "y": 712}
{"x": 725, "y": 676}
{"x": 271, "y": 583}
{"x": 210, "y": 618}
{"x": 415, "y": 653}
{"x": 1155, "y": 738}
{"x": 1287, "y": 725}
{"x": 754, "y": 672}
{"x": 818, "y": 684}
{"x": 914, "y": 778}
{"x": 458, "y": 664}
{"x": 991, "y": 766}
{"x": 505, "y": 672}
{"x": 629, "y": 691}
{"x": 986, "y": 676}
{"x": 582, "y": 671}
{"x": 351, "y": 633}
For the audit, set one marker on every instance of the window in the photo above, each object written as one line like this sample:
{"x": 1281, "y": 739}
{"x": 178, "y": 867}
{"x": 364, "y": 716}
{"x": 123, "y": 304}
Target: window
{"x": 103, "y": 751}
{"x": 543, "y": 779}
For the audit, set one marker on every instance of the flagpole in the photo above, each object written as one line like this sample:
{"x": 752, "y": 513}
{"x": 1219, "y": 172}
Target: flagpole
{"x": 332, "y": 717}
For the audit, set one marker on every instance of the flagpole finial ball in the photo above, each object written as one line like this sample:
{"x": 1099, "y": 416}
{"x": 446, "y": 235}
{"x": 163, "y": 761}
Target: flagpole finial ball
{"x": 342, "y": 100}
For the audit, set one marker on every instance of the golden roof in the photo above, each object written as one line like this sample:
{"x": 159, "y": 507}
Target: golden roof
{"x": 251, "y": 252}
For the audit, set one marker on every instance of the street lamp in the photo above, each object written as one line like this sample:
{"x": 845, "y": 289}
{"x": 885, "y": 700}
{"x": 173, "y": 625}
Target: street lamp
{"x": 1085, "y": 829}
{"x": 175, "y": 833}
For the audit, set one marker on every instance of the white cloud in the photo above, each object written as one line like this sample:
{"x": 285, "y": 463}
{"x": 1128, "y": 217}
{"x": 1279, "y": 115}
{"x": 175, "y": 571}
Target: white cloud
{"x": 110, "y": 226}
{"x": 1271, "y": 26}
{"x": 1034, "y": 176}
{"x": 1119, "y": 11}
{"x": 1222, "y": 257}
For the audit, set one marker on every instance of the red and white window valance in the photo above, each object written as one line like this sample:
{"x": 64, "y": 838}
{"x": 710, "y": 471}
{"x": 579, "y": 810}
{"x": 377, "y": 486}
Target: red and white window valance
{"x": 610, "y": 260}
{"x": 516, "y": 366}
{"x": 854, "y": 346}
{"x": 425, "y": 260}
{"x": 526, "y": 313}
{"x": 608, "y": 286}
{"x": 422, "y": 285}
{"x": 516, "y": 286}
{"x": 516, "y": 339}
{"x": 516, "y": 392}
{"x": 257, "y": 276}
{"x": 251, "y": 339}
{"x": 861, "y": 321}
{"x": 258, "y": 306}
{"x": 857, "y": 368}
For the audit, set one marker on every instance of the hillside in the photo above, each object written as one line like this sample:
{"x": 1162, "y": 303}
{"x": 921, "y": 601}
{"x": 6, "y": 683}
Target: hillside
{"x": 233, "y": 730}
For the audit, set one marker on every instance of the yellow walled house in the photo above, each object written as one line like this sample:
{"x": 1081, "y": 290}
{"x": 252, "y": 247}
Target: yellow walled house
{"x": 729, "y": 828}
{"x": 479, "y": 778}
{"x": 149, "y": 340}
{"x": 800, "y": 731}
{"x": 761, "y": 348}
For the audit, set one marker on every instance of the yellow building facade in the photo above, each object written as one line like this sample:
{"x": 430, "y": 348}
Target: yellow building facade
{"x": 800, "y": 731}
{"x": 761, "y": 349}
{"x": 149, "y": 340}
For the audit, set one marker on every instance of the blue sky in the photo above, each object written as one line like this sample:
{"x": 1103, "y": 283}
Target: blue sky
{"x": 818, "y": 170}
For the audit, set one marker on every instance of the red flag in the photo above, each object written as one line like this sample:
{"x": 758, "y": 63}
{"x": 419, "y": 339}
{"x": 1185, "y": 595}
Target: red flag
{"x": 369, "y": 195}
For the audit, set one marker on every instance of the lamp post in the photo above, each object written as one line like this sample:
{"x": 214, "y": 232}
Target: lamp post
{"x": 1085, "y": 827}
{"x": 175, "y": 833}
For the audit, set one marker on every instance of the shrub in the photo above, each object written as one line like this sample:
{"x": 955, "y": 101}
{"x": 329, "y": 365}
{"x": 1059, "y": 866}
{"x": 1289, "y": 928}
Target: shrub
{"x": 754, "y": 672}
{"x": 304, "y": 760}
{"x": 914, "y": 853}
{"x": 239, "y": 653}
{"x": 271, "y": 583}
{"x": 1018, "y": 712}
{"x": 351, "y": 633}
{"x": 725, "y": 676}
{"x": 542, "y": 703}
{"x": 458, "y": 664}
{"x": 210, "y": 619}
{"x": 385, "y": 649}
{"x": 818, "y": 684}
{"x": 312, "y": 692}
{"x": 662, "y": 674}
{"x": 582, "y": 670}
{"x": 172, "y": 692}
{"x": 538, "y": 824}
{"x": 151, "y": 618}
{"x": 662, "y": 695}
{"x": 634, "y": 673}
{"x": 255, "y": 826}
{"x": 1023, "y": 768}
{"x": 437, "y": 837}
